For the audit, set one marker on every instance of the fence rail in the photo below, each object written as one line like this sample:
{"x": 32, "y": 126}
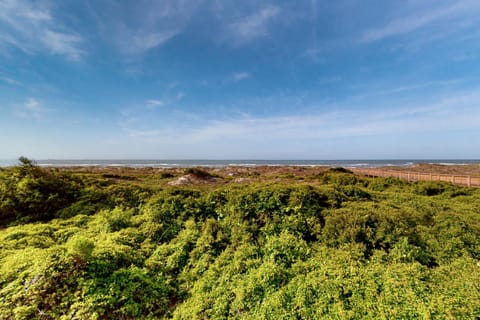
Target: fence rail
{"x": 464, "y": 180}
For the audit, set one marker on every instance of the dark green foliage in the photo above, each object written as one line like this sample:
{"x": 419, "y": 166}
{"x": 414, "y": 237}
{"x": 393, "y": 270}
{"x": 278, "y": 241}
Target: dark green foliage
{"x": 127, "y": 195}
{"x": 338, "y": 176}
{"x": 29, "y": 193}
{"x": 435, "y": 188}
{"x": 382, "y": 184}
{"x": 254, "y": 174}
{"x": 426, "y": 188}
{"x": 166, "y": 175}
{"x": 354, "y": 193}
{"x": 339, "y": 170}
{"x": 199, "y": 173}
{"x": 118, "y": 176}
{"x": 341, "y": 247}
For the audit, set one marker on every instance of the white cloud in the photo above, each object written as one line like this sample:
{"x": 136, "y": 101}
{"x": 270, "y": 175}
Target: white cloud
{"x": 145, "y": 133}
{"x": 135, "y": 30}
{"x": 180, "y": 95}
{"x": 140, "y": 42}
{"x": 32, "y": 28}
{"x": 129, "y": 116}
{"x": 10, "y": 80}
{"x": 460, "y": 111}
{"x": 240, "y": 76}
{"x": 64, "y": 44}
{"x": 32, "y": 105}
{"x": 153, "y": 104}
{"x": 423, "y": 19}
{"x": 328, "y": 80}
{"x": 253, "y": 26}
{"x": 315, "y": 54}
{"x": 172, "y": 85}
{"x": 406, "y": 88}
{"x": 7, "y": 42}
{"x": 31, "y": 108}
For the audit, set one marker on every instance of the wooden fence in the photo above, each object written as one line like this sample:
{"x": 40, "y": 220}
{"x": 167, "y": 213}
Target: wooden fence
{"x": 464, "y": 180}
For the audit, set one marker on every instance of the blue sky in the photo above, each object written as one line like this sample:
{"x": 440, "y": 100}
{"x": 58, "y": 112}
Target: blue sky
{"x": 347, "y": 79}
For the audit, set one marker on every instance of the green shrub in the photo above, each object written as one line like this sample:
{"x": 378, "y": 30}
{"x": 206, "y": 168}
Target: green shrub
{"x": 166, "y": 175}
{"x": 351, "y": 248}
{"x": 126, "y": 293}
{"x": 339, "y": 170}
{"x": 29, "y": 193}
{"x": 338, "y": 176}
{"x": 427, "y": 188}
{"x": 199, "y": 173}
{"x": 116, "y": 219}
{"x": 80, "y": 246}
{"x": 382, "y": 184}
{"x": 354, "y": 193}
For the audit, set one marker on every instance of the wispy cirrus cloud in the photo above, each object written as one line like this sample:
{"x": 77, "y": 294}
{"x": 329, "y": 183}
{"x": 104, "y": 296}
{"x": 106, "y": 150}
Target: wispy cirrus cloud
{"x": 13, "y": 82}
{"x": 146, "y": 26}
{"x": 140, "y": 41}
{"x": 144, "y": 111}
{"x": 30, "y": 108}
{"x": 64, "y": 44}
{"x": 401, "y": 89}
{"x": 424, "y": 18}
{"x": 32, "y": 28}
{"x": 154, "y": 103}
{"x": 152, "y": 24}
{"x": 179, "y": 96}
{"x": 8, "y": 42}
{"x": 458, "y": 111}
{"x": 253, "y": 26}
{"x": 238, "y": 76}
{"x": 167, "y": 99}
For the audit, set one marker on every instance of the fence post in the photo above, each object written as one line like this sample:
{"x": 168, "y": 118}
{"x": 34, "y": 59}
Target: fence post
{"x": 469, "y": 181}
{"x": 453, "y": 179}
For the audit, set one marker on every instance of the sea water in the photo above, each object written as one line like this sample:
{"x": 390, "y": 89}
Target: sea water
{"x": 156, "y": 163}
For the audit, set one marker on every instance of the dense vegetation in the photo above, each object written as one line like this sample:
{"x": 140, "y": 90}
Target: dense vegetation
{"x": 331, "y": 245}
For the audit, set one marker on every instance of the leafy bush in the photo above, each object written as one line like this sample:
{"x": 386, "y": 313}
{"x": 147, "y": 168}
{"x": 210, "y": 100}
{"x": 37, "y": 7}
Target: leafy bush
{"x": 354, "y": 193}
{"x": 80, "y": 246}
{"x": 427, "y": 188}
{"x": 116, "y": 219}
{"x": 338, "y": 176}
{"x": 166, "y": 175}
{"x": 382, "y": 184}
{"x": 340, "y": 248}
{"x": 29, "y": 193}
{"x": 339, "y": 170}
{"x": 199, "y": 173}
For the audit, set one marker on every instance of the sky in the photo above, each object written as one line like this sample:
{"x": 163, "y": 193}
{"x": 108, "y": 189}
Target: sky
{"x": 222, "y": 79}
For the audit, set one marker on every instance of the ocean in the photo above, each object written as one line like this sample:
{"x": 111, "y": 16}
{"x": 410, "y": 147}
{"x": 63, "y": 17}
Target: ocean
{"x": 225, "y": 163}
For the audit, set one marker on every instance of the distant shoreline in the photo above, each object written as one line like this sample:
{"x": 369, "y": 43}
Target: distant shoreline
{"x": 472, "y": 169}
{"x": 146, "y": 163}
